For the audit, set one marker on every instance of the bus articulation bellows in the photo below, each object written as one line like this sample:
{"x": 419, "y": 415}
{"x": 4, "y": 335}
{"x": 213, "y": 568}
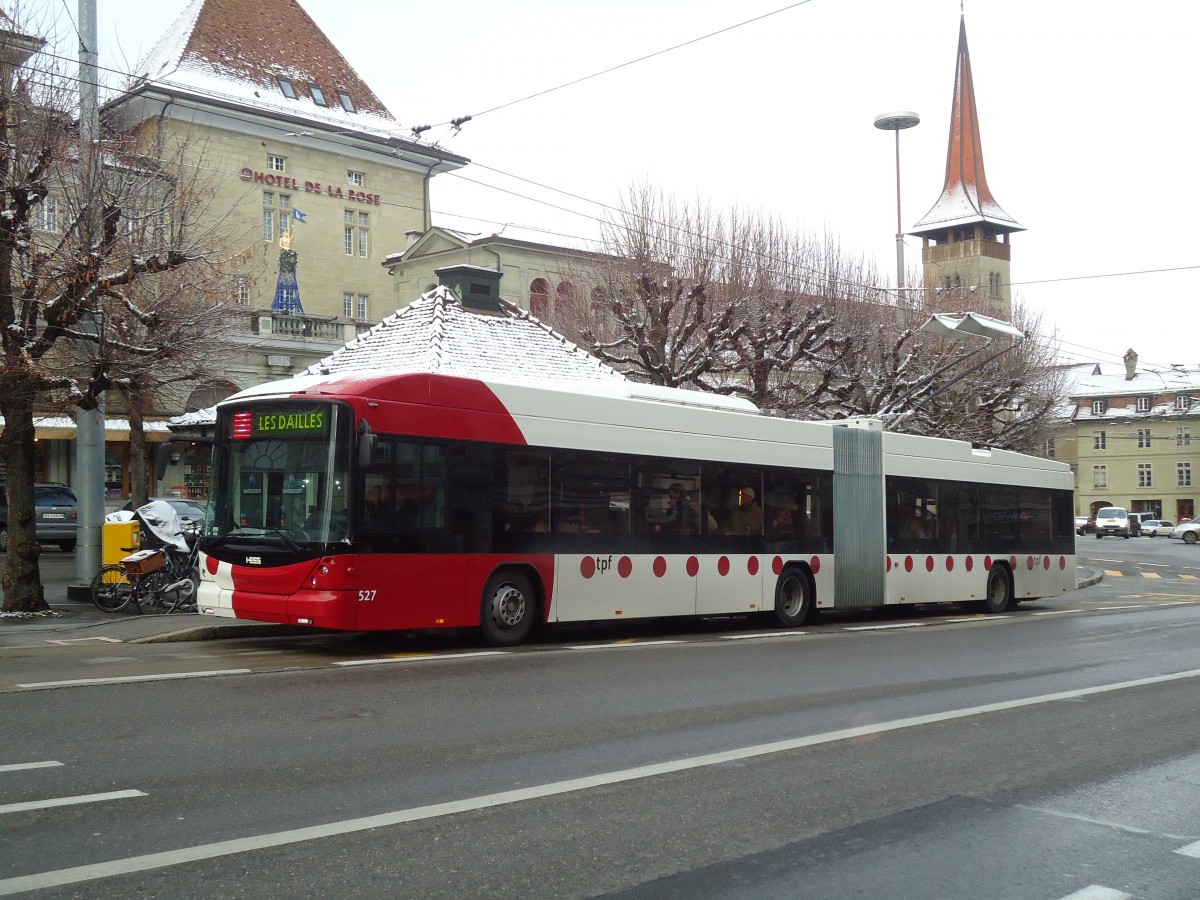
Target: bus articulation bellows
{"x": 365, "y": 501}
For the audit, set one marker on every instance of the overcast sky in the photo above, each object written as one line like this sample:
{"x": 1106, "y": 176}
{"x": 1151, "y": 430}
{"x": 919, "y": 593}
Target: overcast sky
{"x": 1086, "y": 112}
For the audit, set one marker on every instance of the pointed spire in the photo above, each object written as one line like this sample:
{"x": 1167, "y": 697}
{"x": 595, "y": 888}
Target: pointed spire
{"x": 966, "y": 198}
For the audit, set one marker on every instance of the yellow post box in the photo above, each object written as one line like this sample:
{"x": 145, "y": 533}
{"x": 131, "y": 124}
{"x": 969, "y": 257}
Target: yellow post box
{"x": 117, "y": 538}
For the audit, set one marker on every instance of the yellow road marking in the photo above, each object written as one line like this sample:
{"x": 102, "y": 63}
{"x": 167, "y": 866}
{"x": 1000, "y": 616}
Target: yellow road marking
{"x": 1114, "y": 573}
{"x": 1151, "y": 575}
{"x": 1188, "y": 577}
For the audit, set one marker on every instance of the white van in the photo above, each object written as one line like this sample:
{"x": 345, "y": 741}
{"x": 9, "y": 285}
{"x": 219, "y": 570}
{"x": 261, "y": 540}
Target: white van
{"x": 1112, "y": 520}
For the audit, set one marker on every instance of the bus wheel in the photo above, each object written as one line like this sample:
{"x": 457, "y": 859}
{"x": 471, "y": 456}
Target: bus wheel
{"x": 999, "y": 591}
{"x": 793, "y": 598}
{"x": 508, "y": 609}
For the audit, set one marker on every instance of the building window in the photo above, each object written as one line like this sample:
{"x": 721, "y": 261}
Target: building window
{"x": 1143, "y": 438}
{"x": 1048, "y": 448}
{"x": 1143, "y": 404}
{"x": 1183, "y": 401}
{"x": 357, "y": 233}
{"x": 1100, "y": 476}
{"x": 351, "y": 309}
{"x": 285, "y": 85}
{"x": 276, "y": 210}
{"x": 318, "y": 95}
{"x": 1098, "y": 407}
{"x": 1145, "y": 475}
{"x": 539, "y": 298}
{"x": 276, "y": 163}
{"x": 241, "y": 290}
{"x": 1183, "y": 436}
{"x": 47, "y": 214}
{"x": 347, "y": 103}
{"x": 355, "y": 178}
{"x": 1099, "y": 440}
{"x": 1183, "y": 474}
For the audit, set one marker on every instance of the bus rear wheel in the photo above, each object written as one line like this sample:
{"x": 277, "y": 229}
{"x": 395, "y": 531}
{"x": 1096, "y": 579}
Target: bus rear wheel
{"x": 793, "y": 598}
{"x": 508, "y": 609}
{"x": 999, "y": 594}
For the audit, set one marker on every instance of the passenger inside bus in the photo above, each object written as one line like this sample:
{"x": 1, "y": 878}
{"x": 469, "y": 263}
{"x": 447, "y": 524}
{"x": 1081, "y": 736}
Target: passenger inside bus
{"x": 747, "y": 516}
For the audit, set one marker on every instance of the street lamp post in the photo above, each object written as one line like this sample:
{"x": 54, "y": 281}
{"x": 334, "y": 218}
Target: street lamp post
{"x": 897, "y": 122}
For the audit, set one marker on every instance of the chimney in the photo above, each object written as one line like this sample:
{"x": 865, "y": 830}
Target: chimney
{"x": 1130, "y": 364}
{"x": 475, "y": 287}
{"x": 411, "y": 237}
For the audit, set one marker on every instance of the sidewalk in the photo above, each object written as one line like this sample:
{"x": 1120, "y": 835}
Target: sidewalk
{"x": 75, "y": 622}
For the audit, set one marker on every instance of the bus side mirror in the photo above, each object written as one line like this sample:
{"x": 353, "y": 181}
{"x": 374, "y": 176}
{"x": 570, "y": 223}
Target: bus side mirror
{"x": 367, "y": 440}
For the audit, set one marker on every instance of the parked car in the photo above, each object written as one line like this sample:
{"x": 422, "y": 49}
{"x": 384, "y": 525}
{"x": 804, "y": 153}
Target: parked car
{"x": 1112, "y": 520}
{"x": 1085, "y": 524}
{"x": 1189, "y": 533}
{"x": 1155, "y": 527}
{"x": 55, "y": 515}
{"x": 191, "y": 513}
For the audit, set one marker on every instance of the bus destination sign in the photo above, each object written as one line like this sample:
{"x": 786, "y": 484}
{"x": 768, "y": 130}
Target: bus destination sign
{"x": 280, "y": 423}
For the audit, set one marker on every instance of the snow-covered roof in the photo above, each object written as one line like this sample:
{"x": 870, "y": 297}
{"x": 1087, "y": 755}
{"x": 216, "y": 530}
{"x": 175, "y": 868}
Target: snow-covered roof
{"x": 435, "y": 334}
{"x": 1087, "y": 382}
{"x": 212, "y": 51}
{"x": 113, "y": 426}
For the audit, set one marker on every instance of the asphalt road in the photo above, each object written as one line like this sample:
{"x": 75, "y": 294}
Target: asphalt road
{"x": 1042, "y": 754}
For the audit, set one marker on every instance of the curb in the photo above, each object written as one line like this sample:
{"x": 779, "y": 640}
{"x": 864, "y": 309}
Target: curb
{"x": 218, "y": 632}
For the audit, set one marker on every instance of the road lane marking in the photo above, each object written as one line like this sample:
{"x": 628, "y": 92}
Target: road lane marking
{"x": 1119, "y": 607}
{"x": 68, "y": 801}
{"x": 219, "y": 849}
{"x": 86, "y": 640}
{"x": 127, "y": 679}
{"x": 1188, "y": 577}
{"x": 1150, "y": 575}
{"x": 18, "y": 767}
{"x": 1097, "y": 892}
{"x": 883, "y": 627}
{"x": 621, "y": 645}
{"x": 763, "y": 634}
{"x": 1192, "y": 850}
{"x": 1114, "y": 573}
{"x": 1056, "y": 612}
{"x": 417, "y": 657}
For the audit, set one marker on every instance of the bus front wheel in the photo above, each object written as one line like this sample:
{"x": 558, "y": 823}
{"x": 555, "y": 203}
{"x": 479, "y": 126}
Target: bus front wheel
{"x": 794, "y": 598}
{"x": 999, "y": 591}
{"x": 508, "y": 609}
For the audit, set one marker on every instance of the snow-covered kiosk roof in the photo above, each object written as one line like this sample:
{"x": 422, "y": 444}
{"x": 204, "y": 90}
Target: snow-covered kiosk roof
{"x": 435, "y": 334}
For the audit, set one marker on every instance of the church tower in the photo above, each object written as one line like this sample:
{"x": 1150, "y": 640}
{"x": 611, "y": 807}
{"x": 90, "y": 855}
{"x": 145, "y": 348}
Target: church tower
{"x": 965, "y": 251}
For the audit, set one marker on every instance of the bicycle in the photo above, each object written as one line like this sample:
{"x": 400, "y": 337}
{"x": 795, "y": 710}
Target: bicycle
{"x": 158, "y": 581}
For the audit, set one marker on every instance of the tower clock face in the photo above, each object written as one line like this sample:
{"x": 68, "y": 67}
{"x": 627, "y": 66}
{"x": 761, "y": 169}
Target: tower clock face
{"x": 265, "y": 455}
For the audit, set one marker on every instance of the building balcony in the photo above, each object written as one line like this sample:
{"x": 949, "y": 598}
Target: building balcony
{"x": 305, "y": 329}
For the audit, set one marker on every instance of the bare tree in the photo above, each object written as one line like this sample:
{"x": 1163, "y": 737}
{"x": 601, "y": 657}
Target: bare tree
{"x": 103, "y": 237}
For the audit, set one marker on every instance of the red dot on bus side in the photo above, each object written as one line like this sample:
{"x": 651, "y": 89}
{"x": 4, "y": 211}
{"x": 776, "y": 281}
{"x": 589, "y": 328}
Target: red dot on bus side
{"x": 908, "y": 564}
{"x": 777, "y": 565}
{"x": 660, "y": 567}
{"x": 929, "y": 564}
{"x": 723, "y": 565}
{"x": 624, "y": 566}
{"x": 987, "y": 564}
{"x": 949, "y": 563}
{"x": 970, "y": 563}
{"x": 1046, "y": 563}
{"x": 815, "y": 565}
{"x": 211, "y": 564}
{"x": 889, "y": 564}
{"x": 587, "y": 567}
{"x": 1062, "y": 562}
{"x": 693, "y": 566}
{"x": 1012, "y": 563}
{"x": 752, "y": 565}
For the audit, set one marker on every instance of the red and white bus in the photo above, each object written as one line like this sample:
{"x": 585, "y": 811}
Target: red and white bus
{"x": 367, "y": 501}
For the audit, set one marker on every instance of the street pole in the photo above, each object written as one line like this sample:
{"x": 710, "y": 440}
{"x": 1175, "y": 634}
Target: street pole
{"x": 898, "y": 121}
{"x": 89, "y": 434}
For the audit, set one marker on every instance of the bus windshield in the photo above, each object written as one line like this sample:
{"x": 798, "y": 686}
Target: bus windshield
{"x": 281, "y": 474}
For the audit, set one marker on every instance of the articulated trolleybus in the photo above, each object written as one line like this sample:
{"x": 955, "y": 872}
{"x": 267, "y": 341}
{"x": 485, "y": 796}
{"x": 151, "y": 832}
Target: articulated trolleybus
{"x": 364, "y": 501}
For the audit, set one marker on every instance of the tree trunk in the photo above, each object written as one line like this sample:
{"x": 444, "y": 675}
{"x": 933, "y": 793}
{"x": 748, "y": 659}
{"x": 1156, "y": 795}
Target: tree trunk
{"x": 138, "y": 483}
{"x": 22, "y": 580}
